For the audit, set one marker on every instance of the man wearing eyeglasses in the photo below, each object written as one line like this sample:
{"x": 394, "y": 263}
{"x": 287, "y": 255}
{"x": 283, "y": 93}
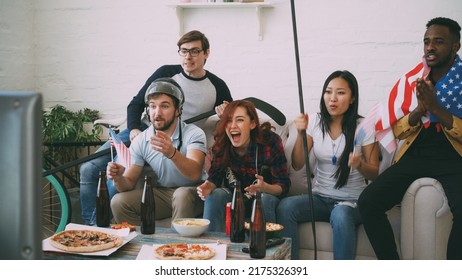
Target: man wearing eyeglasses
{"x": 203, "y": 91}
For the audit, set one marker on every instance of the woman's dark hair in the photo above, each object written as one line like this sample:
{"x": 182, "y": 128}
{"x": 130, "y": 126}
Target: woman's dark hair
{"x": 222, "y": 147}
{"x": 349, "y": 121}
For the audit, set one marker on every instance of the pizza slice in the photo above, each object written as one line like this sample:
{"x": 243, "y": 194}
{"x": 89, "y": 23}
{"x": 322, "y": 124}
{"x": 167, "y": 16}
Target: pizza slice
{"x": 124, "y": 225}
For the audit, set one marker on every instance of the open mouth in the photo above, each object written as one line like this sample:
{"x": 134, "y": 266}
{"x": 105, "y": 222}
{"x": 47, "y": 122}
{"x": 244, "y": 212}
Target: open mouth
{"x": 430, "y": 56}
{"x": 158, "y": 120}
{"x": 236, "y": 136}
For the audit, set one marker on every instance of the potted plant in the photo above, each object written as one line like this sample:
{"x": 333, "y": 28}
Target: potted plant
{"x": 62, "y": 125}
{"x": 66, "y": 133}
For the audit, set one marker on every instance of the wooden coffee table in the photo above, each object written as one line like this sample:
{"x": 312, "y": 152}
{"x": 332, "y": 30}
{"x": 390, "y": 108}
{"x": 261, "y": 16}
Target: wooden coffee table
{"x": 167, "y": 235}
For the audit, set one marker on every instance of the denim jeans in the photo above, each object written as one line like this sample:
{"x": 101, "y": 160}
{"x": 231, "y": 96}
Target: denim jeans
{"x": 270, "y": 204}
{"x": 343, "y": 218}
{"x": 89, "y": 176}
{"x": 215, "y": 208}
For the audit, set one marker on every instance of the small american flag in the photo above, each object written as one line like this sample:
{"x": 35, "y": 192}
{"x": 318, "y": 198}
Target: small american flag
{"x": 367, "y": 125}
{"x": 123, "y": 153}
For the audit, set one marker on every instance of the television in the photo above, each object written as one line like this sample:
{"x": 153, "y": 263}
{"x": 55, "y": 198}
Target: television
{"x": 20, "y": 175}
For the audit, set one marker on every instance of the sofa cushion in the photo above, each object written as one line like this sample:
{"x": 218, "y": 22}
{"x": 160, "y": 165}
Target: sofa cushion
{"x": 324, "y": 239}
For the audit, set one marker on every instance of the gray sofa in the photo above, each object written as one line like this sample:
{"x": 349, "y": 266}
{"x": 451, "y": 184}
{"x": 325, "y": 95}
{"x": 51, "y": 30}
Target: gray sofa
{"x": 421, "y": 223}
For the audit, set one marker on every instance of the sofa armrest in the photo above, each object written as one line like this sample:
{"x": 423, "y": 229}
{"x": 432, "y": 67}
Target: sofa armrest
{"x": 426, "y": 221}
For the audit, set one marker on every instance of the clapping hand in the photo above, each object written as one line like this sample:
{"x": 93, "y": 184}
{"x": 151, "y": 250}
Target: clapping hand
{"x": 205, "y": 189}
{"x": 426, "y": 95}
{"x": 257, "y": 186}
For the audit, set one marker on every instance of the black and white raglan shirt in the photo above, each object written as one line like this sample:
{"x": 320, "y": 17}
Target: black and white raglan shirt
{"x": 201, "y": 94}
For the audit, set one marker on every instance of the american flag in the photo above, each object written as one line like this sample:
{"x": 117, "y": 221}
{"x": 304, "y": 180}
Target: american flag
{"x": 403, "y": 99}
{"x": 123, "y": 153}
{"x": 367, "y": 125}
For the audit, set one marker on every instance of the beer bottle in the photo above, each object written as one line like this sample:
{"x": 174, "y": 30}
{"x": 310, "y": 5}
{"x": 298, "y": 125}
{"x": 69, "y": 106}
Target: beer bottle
{"x": 103, "y": 207}
{"x": 257, "y": 245}
{"x": 237, "y": 233}
{"x": 148, "y": 208}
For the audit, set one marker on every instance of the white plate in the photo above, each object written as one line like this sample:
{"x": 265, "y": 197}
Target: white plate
{"x": 147, "y": 251}
{"x": 124, "y": 233}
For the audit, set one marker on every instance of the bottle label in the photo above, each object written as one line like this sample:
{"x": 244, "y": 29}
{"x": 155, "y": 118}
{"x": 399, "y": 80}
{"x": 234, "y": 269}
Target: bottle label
{"x": 228, "y": 218}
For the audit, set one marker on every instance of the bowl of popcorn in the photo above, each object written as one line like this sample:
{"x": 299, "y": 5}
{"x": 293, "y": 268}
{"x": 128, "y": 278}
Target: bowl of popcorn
{"x": 190, "y": 227}
{"x": 272, "y": 229}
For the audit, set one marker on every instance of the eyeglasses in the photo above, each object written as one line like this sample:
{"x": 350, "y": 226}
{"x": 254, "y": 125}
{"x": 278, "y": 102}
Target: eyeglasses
{"x": 192, "y": 52}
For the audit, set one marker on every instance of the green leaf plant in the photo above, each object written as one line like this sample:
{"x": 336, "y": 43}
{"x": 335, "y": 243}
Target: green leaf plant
{"x": 66, "y": 133}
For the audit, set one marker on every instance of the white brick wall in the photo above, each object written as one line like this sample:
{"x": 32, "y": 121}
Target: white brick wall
{"x": 98, "y": 54}
{"x": 17, "y": 45}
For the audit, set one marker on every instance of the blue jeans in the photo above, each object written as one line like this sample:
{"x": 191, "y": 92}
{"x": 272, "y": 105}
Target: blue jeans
{"x": 270, "y": 204}
{"x": 89, "y": 176}
{"x": 215, "y": 208}
{"x": 343, "y": 218}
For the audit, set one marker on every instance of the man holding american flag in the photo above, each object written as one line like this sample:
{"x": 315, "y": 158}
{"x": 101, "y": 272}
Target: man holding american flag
{"x": 122, "y": 151}
{"x": 173, "y": 149}
{"x": 425, "y": 110}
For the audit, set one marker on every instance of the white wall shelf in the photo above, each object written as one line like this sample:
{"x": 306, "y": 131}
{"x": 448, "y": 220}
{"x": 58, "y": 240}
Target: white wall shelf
{"x": 258, "y": 6}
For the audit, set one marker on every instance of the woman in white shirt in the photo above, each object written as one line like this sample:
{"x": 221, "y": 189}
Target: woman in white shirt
{"x": 341, "y": 171}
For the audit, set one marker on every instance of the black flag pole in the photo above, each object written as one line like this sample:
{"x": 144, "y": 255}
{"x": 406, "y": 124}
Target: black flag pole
{"x": 302, "y": 111}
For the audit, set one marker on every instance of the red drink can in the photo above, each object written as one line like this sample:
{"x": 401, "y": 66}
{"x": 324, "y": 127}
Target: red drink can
{"x": 228, "y": 218}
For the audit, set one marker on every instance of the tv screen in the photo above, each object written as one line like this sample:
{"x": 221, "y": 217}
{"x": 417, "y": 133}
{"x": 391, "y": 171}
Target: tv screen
{"x": 20, "y": 175}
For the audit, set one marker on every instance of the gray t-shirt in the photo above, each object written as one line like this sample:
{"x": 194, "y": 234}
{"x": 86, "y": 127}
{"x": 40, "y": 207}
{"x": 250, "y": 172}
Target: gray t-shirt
{"x": 165, "y": 170}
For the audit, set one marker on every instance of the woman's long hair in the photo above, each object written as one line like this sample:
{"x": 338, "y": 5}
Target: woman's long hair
{"x": 222, "y": 147}
{"x": 349, "y": 122}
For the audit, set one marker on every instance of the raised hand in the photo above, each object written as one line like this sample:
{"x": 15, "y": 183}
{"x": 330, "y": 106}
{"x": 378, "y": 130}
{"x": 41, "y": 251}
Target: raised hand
{"x": 301, "y": 122}
{"x": 426, "y": 95}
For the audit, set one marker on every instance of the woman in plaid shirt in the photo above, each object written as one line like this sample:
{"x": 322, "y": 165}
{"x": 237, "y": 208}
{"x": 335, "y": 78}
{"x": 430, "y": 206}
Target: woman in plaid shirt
{"x": 244, "y": 146}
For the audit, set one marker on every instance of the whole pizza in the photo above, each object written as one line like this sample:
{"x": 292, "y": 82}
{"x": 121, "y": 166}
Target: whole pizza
{"x": 183, "y": 251}
{"x": 84, "y": 241}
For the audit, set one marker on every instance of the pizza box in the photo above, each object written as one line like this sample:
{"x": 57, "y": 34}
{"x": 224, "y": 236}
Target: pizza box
{"x": 147, "y": 251}
{"x": 124, "y": 233}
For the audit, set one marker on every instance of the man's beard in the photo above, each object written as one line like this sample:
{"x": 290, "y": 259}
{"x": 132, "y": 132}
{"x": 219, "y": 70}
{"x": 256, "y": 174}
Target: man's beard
{"x": 166, "y": 126}
{"x": 442, "y": 61}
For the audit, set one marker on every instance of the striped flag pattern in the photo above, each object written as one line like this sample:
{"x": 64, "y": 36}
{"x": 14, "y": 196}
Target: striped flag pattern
{"x": 123, "y": 153}
{"x": 402, "y": 100}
